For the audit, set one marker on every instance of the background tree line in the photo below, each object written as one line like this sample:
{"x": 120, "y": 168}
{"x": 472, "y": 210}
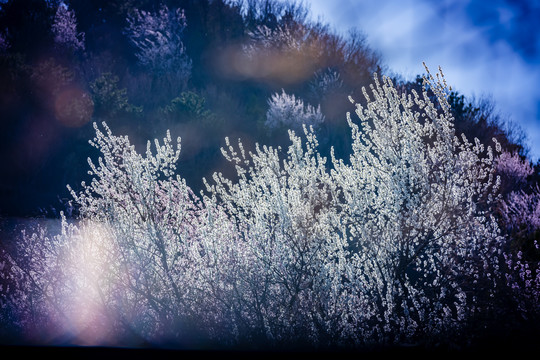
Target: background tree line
{"x": 62, "y": 72}
{"x": 353, "y": 212}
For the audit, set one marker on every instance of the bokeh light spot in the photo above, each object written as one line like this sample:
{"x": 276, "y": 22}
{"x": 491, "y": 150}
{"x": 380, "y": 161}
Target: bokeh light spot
{"x": 73, "y": 107}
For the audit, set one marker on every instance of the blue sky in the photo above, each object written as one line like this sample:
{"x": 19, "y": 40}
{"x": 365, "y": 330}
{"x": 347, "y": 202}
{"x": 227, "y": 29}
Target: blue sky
{"x": 485, "y": 48}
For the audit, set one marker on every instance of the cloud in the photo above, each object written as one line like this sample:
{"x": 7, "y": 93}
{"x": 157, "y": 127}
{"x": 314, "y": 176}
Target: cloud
{"x": 484, "y": 48}
{"x": 515, "y": 22}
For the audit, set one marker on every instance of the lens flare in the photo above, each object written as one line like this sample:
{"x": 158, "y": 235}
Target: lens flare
{"x": 73, "y": 107}
{"x": 269, "y": 65}
{"x": 87, "y": 259}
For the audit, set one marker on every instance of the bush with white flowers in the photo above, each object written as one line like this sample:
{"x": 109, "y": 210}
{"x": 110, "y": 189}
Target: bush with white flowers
{"x": 396, "y": 244}
{"x": 288, "y": 111}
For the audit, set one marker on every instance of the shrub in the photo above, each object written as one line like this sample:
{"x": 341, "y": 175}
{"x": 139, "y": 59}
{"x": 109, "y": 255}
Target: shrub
{"x": 396, "y": 245}
{"x": 289, "y": 112}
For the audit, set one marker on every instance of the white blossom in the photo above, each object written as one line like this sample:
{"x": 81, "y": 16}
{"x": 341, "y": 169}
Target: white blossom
{"x": 281, "y": 38}
{"x": 411, "y": 191}
{"x": 290, "y": 112}
{"x": 512, "y": 166}
{"x": 64, "y": 29}
{"x": 158, "y": 39}
{"x": 521, "y": 210}
{"x": 395, "y": 245}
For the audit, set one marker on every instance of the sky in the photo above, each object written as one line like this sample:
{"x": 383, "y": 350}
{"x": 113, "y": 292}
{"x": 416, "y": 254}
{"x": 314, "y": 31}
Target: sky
{"x": 486, "y": 49}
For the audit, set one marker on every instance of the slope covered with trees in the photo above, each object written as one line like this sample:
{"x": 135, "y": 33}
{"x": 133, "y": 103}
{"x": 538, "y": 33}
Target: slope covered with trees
{"x": 300, "y": 197}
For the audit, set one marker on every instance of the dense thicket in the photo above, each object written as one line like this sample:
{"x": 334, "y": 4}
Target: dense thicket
{"x": 408, "y": 233}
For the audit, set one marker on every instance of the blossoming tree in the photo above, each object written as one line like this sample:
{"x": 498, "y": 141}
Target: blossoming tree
{"x": 158, "y": 39}
{"x": 64, "y": 29}
{"x": 396, "y": 244}
{"x": 416, "y": 199}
